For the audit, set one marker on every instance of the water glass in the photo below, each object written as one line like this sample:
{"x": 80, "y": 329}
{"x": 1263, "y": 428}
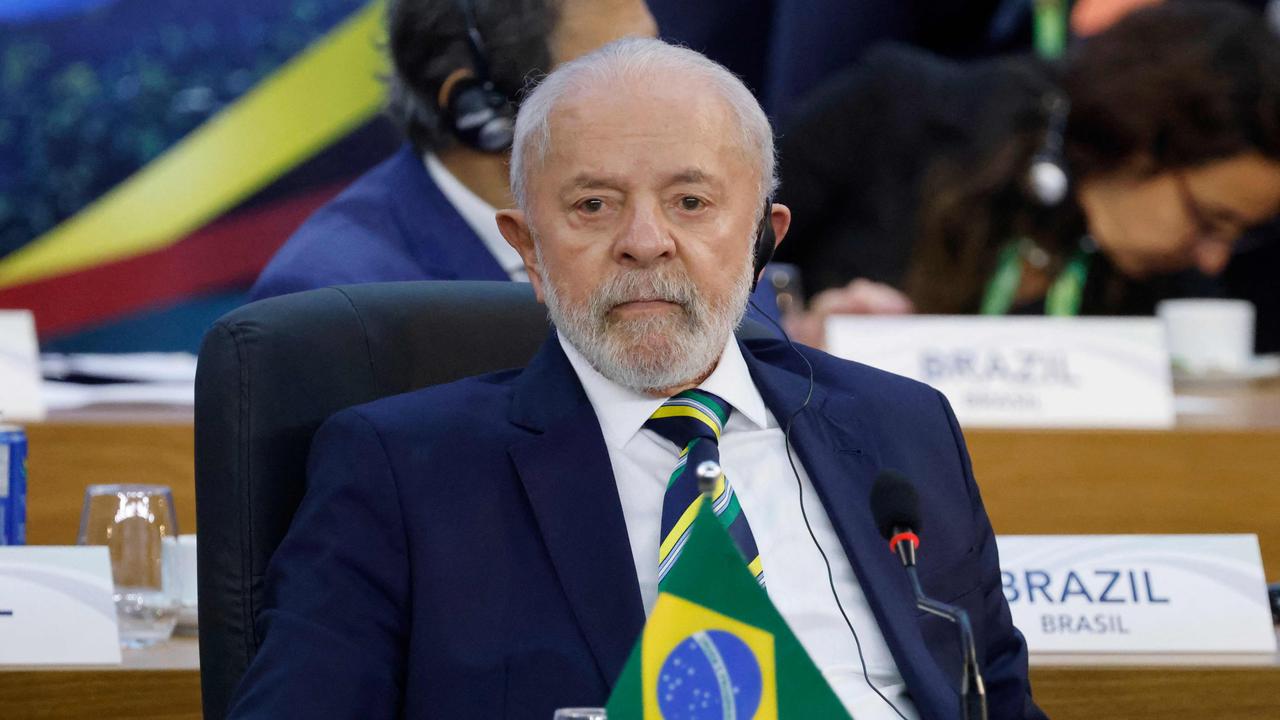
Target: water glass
{"x": 138, "y": 525}
{"x": 580, "y": 714}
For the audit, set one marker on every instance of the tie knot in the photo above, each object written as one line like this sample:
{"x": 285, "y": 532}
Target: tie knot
{"x": 691, "y": 415}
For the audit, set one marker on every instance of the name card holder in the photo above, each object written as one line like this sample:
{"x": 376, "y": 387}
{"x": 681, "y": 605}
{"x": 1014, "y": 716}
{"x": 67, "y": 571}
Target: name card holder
{"x": 56, "y": 606}
{"x": 1023, "y": 371}
{"x": 1138, "y": 593}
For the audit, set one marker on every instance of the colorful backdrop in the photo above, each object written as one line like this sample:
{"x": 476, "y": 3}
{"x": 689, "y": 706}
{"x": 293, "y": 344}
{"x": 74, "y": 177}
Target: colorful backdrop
{"x": 155, "y": 153}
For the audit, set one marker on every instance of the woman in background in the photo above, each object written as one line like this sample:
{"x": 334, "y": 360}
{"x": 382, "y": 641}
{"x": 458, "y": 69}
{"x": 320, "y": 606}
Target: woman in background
{"x": 920, "y": 184}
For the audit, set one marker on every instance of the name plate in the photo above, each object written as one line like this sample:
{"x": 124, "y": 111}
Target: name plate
{"x": 20, "y": 381}
{"x": 1137, "y": 593}
{"x": 1023, "y": 371}
{"x": 56, "y": 606}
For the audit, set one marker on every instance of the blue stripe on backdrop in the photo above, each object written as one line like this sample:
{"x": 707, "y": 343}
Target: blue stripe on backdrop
{"x": 176, "y": 328}
{"x": 37, "y": 10}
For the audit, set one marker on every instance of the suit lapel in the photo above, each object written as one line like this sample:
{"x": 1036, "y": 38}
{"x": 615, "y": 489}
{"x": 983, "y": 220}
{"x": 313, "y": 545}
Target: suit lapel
{"x": 842, "y": 463}
{"x": 565, "y": 469}
{"x": 444, "y": 245}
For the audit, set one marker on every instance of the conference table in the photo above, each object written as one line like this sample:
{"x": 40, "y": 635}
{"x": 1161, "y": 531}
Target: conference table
{"x": 1215, "y": 472}
{"x": 164, "y": 682}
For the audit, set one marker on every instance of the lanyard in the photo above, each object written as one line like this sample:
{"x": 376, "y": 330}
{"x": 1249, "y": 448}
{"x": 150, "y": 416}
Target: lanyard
{"x": 1049, "y": 28}
{"x": 1064, "y": 296}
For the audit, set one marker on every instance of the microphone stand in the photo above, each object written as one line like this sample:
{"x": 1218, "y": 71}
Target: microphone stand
{"x": 973, "y": 695}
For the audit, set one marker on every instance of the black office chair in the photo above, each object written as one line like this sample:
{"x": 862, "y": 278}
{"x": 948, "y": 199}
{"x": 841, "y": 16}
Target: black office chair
{"x": 270, "y": 373}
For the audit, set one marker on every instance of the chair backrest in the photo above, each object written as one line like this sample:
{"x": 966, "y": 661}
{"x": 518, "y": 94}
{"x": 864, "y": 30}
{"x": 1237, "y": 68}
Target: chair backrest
{"x": 270, "y": 373}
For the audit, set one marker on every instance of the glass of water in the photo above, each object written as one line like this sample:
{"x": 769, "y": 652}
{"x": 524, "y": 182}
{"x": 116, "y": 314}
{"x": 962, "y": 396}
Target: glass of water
{"x": 580, "y": 714}
{"x": 139, "y": 528}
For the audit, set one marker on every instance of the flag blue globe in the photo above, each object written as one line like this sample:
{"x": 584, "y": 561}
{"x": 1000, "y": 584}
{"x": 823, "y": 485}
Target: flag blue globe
{"x": 710, "y": 675}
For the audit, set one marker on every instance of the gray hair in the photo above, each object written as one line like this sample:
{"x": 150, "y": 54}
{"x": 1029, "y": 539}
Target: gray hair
{"x": 615, "y": 63}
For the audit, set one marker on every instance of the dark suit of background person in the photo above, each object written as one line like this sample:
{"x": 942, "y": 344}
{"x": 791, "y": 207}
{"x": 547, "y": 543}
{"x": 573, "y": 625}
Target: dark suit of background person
{"x": 782, "y": 49}
{"x": 393, "y": 223}
{"x": 461, "y": 551}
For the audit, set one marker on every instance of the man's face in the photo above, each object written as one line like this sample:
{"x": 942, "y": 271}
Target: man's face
{"x": 584, "y": 25}
{"x": 1180, "y": 219}
{"x": 644, "y": 213}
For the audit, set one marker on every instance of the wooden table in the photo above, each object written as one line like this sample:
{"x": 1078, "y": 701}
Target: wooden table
{"x": 164, "y": 682}
{"x": 73, "y": 450}
{"x": 1218, "y": 471}
{"x": 1157, "y": 687}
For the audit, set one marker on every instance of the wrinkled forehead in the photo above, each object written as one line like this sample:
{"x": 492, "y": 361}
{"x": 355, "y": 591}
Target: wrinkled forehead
{"x": 643, "y": 127}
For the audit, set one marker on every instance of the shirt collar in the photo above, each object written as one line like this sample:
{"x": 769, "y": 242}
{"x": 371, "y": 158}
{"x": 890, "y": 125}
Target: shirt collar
{"x": 479, "y": 216}
{"x": 622, "y": 411}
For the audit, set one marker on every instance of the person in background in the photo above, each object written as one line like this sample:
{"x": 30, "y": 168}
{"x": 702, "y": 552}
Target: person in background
{"x": 923, "y": 185}
{"x": 427, "y": 212}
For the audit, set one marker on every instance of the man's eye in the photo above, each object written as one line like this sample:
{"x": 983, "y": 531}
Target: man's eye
{"x": 689, "y": 202}
{"x": 591, "y": 205}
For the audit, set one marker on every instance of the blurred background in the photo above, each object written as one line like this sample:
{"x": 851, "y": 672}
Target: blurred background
{"x": 155, "y": 155}
{"x": 94, "y": 93}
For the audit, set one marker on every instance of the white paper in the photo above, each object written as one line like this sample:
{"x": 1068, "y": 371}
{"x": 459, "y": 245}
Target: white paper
{"x": 1137, "y": 593}
{"x": 1024, "y": 371}
{"x": 138, "y": 367}
{"x": 71, "y": 396}
{"x": 56, "y": 606}
{"x": 20, "y": 397}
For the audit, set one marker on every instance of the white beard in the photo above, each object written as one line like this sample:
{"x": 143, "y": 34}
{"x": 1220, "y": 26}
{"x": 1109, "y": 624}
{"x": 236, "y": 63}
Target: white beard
{"x": 655, "y": 352}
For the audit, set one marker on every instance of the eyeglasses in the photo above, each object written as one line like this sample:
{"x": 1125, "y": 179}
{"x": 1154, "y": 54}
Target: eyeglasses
{"x": 1210, "y": 226}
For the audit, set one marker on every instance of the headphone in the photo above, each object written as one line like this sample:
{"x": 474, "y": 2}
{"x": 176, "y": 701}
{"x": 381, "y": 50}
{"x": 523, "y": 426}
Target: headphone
{"x": 480, "y": 115}
{"x": 765, "y": 243}
{"x": 1047, "y": 178}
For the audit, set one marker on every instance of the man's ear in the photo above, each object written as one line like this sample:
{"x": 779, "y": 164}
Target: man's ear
{"x": 780, "y": 218}
{"x": 514, "y": 226}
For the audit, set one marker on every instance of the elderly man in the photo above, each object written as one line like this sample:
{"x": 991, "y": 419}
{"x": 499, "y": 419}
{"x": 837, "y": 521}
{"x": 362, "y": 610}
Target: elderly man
{"x": 489, "y": 548}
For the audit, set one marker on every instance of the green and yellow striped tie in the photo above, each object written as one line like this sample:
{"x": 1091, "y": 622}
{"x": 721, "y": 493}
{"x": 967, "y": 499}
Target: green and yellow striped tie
{"x": 693, "y": 422}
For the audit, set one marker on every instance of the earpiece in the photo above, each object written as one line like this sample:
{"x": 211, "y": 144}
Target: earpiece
{"x": 479, "y": 114}
{"x": 762, "y": 253}
{"x": 1047, "y": 178}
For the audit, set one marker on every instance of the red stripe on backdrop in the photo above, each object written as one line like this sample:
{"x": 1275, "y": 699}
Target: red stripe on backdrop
{"x": 227, "y": 252}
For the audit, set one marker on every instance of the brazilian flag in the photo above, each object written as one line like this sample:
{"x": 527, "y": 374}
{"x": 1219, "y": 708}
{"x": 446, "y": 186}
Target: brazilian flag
{"x": 715, "y": 648}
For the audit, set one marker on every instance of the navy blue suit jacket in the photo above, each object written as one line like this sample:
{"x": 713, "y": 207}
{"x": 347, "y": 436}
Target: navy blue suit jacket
{"x": 461, "y": 550}
{"x": 392, "y": 223}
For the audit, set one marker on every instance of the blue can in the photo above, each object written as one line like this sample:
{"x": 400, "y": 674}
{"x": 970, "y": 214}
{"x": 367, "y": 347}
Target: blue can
{"x": 13, "y": 485}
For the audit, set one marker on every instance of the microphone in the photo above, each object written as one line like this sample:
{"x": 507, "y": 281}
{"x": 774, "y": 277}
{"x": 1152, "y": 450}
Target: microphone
{"x": 896, "y": 510}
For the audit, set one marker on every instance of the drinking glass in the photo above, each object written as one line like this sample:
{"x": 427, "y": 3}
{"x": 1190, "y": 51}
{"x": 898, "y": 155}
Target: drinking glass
{"x": 139, "y": 528}
{"x": 580, "y": 714}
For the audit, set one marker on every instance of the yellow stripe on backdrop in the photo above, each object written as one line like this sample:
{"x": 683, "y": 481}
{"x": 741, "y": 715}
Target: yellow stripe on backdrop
{"x": 324, "y": 93}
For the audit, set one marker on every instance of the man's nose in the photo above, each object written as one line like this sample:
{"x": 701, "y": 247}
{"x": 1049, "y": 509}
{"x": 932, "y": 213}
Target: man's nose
{"x": 1212, "y": 256}
{"x": 645, "y": 239}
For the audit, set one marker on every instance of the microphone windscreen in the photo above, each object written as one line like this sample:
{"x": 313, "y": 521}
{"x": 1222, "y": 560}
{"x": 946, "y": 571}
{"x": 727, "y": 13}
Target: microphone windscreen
{"x": 894, "y": 503}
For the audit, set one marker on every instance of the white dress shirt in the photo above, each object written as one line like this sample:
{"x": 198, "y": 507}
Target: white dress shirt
{"x": 753, "y": 453}
{"x": 479, "y": 216}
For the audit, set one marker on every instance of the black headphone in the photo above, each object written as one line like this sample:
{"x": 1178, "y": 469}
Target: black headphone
{"x": 479, "y": 114}
{"x": 762, "y": 253}
{"x": 1047, "y": 178}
